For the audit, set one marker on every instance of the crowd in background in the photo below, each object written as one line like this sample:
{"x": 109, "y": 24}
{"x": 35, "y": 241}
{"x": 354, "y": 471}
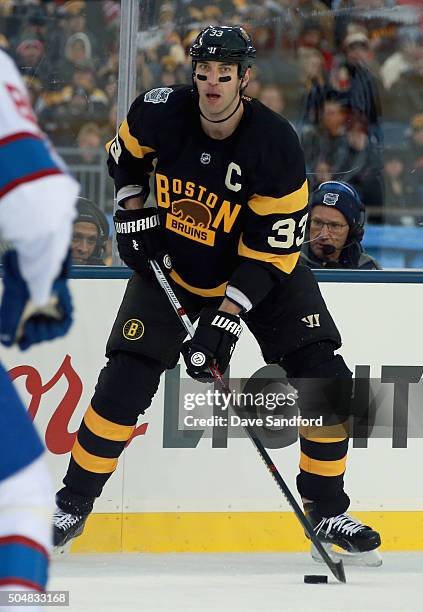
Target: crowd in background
{"x": 348, "y": 74}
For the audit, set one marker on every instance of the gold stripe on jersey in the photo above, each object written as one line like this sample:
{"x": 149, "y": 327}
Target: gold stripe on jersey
{"x": 325, "y": 434}
{"x": 91, "y": 463}
{"x": 293, "y": 202}
{"x": 284, "y": 263}
{"x": 131, "y": 143}
{"x": 214, "y": 292}
{"x": 322, "y": 468}
{"x": 106, "y": 429}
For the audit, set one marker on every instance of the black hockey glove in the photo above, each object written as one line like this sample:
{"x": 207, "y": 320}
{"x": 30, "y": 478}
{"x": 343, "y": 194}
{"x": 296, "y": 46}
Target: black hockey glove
{"x": 140, "y": 238}
{"x": 212, "y": 344}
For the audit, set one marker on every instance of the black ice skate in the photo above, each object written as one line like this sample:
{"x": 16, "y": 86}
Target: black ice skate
{"x": 357, "y": 542}
{"x": 66, "y": 527}
{"x": 69, "y": 519}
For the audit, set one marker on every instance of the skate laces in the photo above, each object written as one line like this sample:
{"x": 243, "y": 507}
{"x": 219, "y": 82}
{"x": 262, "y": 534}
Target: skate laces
{"x": 341, "y": 523}
{"x": 63, "y": 520}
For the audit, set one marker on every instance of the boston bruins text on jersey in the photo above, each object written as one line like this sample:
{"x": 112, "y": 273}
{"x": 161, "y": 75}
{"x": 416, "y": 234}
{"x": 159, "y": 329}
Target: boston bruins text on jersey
{"x": 229, "y": 207}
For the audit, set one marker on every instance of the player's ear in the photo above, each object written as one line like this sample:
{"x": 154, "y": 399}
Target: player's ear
{"x": 246, "y": 78}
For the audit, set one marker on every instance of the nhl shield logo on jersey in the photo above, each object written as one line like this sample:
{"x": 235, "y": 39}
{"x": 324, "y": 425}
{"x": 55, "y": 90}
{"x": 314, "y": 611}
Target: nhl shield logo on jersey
{"x": 330, "y": 199}
{"x": 160, "y": 94}
{"x": 205, "y": 158}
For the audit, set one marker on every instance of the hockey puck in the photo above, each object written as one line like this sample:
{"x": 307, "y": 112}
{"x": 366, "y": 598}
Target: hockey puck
{"x": 315, "y": 579}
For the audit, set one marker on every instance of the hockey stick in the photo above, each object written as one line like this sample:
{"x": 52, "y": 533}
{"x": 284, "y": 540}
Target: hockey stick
{"x": 336, "y": 567}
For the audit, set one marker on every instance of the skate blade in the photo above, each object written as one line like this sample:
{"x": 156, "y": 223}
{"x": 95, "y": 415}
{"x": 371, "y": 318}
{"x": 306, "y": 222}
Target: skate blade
{"x": 370, "y": 558}
{"x": 60, "y": 552}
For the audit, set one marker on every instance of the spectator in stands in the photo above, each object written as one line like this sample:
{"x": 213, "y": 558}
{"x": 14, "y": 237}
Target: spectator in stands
{"x": 340, "y": 148}
{"x": 406, "y": 94}
{"x": 110, "y": 87}
{"x": 363, "y": 167}
{"x": 84, "y": 76}
{"x": 90, "y": 234}
{"x": 34, "y": 26}
{"x": 77, "y": 104}
{"x": 336, "y": 229}
{"x": 410, "y": 39}
{"x": 342, "y": 127}
{"x": 377, "y": 17}
{"x": 111, "y": 15}
{"x": 272, "y": 97}
{"x": 63, "y": 121}
{"x": 328, "y": 139}
{"x": 77, "y": 53}
{"x": 414, "y": 156}
{"x": 32, "y": 61}
{"x": 172, "y": 72}
{"x": 318, "y": 10}
{"x": 358, "y": 52}
{"x": 110, "y": 64}
{"x": 312, "y": 65}
{"x": 399, "y": 190}
{"x": 76, "y": 22}
{"x": 312, "y": 83}
{"x": 89, "y": 142}
{"x": 312, "y": 37}
{"x": 354, "y": 85}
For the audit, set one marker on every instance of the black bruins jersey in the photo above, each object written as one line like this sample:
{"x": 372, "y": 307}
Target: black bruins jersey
{"x": 226, "y": 205}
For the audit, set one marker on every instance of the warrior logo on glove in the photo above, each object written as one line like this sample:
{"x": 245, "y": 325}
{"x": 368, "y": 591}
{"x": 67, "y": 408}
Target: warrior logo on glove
{"x": 230, "y": 325}
{"x": 140, "y": 238}
{"x": 138, "y": 225}
{"x": 212, "y": 344}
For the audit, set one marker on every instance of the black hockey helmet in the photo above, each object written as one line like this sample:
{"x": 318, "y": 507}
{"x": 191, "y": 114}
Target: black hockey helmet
{"x": 224, "y": 44}
{"x": 346, "y": 199}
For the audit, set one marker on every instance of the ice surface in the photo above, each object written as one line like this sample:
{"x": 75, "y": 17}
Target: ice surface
{"x": 235, "y": 582}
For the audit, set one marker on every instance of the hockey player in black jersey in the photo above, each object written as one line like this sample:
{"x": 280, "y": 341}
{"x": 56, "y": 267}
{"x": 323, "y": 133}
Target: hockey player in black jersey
{"x": 231, "y": 214}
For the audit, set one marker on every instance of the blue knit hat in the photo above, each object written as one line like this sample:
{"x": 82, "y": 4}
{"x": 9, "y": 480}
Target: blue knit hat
{"x": 344, "y": 198}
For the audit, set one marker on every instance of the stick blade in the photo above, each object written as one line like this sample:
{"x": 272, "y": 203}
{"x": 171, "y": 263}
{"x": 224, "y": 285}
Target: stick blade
{"x": 338, "y": 571}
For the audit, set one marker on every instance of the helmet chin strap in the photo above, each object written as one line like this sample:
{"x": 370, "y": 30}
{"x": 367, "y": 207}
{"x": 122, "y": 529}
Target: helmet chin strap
{"x": 222, "y": 79}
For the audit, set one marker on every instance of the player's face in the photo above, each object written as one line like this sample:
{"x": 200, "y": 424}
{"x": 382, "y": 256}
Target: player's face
{"x": 217, "y": 97}
{"x": 328, "y": 226}
{"x": 84, "y": 241}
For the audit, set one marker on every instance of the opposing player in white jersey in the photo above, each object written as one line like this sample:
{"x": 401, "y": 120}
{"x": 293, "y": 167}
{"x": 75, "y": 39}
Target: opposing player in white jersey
{"x": 37, "y": 208}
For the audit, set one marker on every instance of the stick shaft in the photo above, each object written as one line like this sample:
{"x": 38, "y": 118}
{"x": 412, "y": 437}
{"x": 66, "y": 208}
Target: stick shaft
{"x": 336, "y": 568}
